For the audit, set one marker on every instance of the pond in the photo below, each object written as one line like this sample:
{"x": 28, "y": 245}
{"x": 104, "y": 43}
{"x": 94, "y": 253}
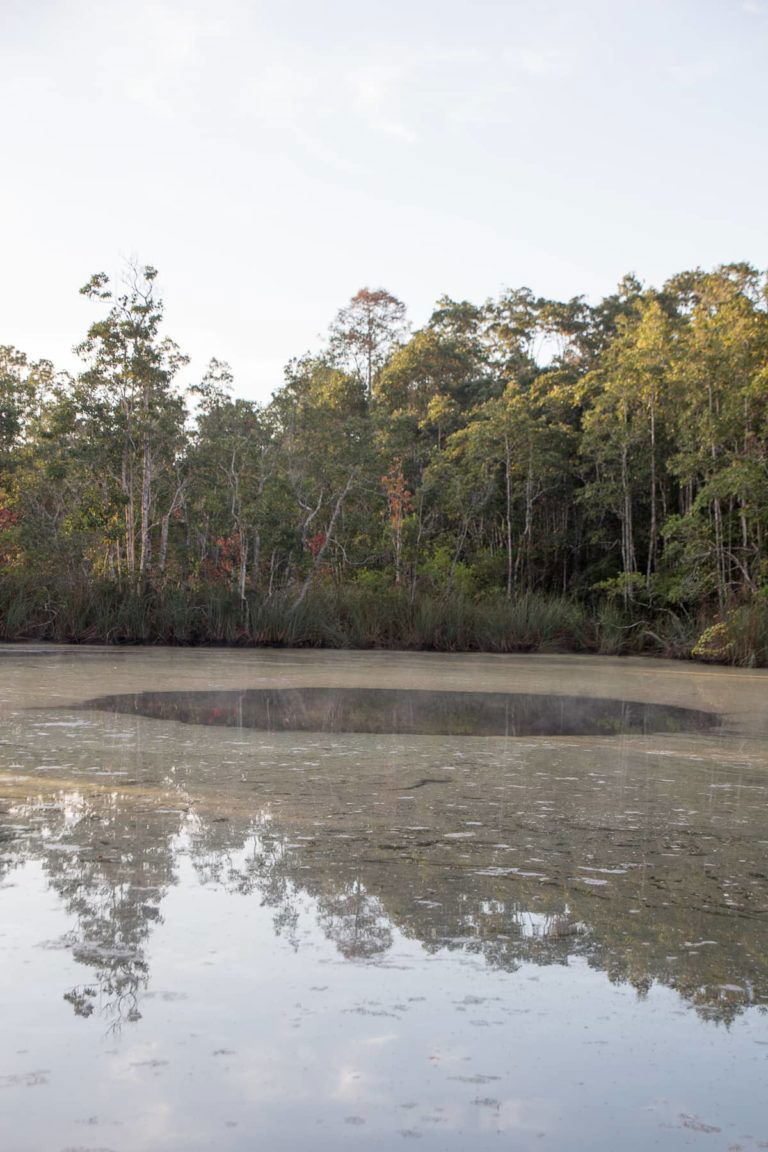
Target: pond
{"x": 280, "y": 900}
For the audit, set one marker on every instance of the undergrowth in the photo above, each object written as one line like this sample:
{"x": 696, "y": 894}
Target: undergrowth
{"x": 354, "y": 616}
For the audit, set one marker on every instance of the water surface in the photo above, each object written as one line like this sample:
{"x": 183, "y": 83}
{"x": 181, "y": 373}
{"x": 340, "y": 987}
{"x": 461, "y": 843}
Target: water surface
{"x": 485, "y": 902}
{"x": 412, "y": 711}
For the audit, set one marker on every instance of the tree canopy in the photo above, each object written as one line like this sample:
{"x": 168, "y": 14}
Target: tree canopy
{"x": 521, "y": 446}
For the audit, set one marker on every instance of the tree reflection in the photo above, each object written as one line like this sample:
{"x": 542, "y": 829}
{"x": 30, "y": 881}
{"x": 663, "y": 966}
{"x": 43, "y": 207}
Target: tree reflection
{"x": 688, "y": 913}
{"x": 110, "y": 863}
{"x": 355, "y": 920}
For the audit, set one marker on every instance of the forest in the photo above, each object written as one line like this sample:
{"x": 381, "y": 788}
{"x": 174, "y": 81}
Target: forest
{"x": 524, "y": 474}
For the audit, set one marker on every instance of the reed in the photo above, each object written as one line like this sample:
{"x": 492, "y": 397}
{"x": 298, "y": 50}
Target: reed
{"x": 356, "y": 616}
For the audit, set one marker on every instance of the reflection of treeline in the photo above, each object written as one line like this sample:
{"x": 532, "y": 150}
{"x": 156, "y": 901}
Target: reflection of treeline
{"x": 520, "y": 474}
{"x": 671, "y": 929}
{"x": 664, "y": 918}
{"x": 111, "y": 864}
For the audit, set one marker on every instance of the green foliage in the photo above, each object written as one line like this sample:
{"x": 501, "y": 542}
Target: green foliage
{"x": 714, "y": 643}
{"x": 524, "y": 475}
{"x": 446, "y": 574}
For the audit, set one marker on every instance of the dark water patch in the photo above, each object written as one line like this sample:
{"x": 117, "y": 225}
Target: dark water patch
{"x": 21, "y": 648}
{"x": 409, "y": 712}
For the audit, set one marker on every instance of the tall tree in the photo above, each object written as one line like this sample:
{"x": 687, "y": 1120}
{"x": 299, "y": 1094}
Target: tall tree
{"x": 130, "y": 373}
{"x": 364, "y": 332}
{"x": 231, "y": 463}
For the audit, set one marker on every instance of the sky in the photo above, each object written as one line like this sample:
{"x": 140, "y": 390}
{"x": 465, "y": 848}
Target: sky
{"x": 271, "y": 157}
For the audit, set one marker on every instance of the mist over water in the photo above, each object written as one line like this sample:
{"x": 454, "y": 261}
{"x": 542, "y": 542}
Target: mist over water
{"x": 409, "y": 711}
{"x": 243, "y": 901}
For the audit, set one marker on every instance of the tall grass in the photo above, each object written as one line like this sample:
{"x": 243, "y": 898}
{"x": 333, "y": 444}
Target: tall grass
{"x": 355, "y": 616}
{"x": 748, "y": 632}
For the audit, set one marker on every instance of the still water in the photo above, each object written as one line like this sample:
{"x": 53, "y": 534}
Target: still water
{"x": 286, "y": 900}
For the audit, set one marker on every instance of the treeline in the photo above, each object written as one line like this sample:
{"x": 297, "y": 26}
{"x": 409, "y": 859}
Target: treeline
{"x": 524, "y": 473}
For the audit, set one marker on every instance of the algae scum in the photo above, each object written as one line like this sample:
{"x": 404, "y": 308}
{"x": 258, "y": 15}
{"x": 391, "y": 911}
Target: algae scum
{"x": 287, "y": 900}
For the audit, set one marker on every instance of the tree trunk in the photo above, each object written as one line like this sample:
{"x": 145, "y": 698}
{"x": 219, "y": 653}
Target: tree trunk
{"x": 130, "y": 519}
{"x": 507, "y": 462}
{"x": 528, "y": 529}
{"x": 256, "y": 556}
{"x": 164, "y": 523}
{"x": 145, "y": 557}
{"x": 271, "y": 575}
{"x": 317, "y": 559}
{"x": 628, "y": 540}
{"x": 415, "y": 570}
{"x": 243, "y": 573}
{"x": 653, "y": 529}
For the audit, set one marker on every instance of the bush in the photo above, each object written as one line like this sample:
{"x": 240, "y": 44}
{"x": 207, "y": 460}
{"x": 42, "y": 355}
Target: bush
{"x": 740, "y": 638}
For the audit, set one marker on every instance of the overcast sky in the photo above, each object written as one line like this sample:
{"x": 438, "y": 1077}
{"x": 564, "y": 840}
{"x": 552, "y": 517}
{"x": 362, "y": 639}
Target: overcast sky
{"x": 270, "y": 158}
